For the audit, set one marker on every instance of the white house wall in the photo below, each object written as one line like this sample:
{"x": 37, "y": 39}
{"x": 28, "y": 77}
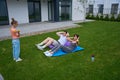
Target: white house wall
{"x": 18, "y": 10}
{"x": 44, "y": 10}
{"x": 95, "y": 11}
{"x": 78, "y": 12}
{"x": 107, "y": 5}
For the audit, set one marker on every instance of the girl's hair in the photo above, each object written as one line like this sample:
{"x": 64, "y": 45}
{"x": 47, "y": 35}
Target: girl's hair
{"x": 13, "y": 21}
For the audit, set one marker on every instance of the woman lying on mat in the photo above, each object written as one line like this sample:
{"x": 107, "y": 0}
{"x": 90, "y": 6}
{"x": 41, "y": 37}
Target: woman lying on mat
{"x": 66, "y": 48}
{"x": 48, "y": 41}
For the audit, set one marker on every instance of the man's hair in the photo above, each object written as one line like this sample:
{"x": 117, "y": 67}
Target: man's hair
{"x": 65, "y": 31}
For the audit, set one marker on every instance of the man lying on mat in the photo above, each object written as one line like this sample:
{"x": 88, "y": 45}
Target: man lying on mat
{"x": 48, "y": 41}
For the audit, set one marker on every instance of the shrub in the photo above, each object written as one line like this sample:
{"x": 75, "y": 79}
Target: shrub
{"x": 112, "y": 18}
{"x": 97, "y": 17}
{"x": 101, "y": 17}
{"x": 106, "y": 17}
{"x": 118, "y": 18}
{"x": 92, "y": 16}
{"x": 88, "y": 16}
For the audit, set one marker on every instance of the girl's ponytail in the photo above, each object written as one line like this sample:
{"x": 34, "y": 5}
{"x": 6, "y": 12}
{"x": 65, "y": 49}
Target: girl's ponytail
{"x": 13, "y": 21}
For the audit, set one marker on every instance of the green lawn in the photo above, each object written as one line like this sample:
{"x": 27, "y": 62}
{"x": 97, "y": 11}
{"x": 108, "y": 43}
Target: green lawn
{"x": 99, "y": 38}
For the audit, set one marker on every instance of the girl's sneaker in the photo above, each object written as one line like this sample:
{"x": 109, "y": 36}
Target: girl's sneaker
{"x": 14, "y": 59}
{"x": 19, "y": 59}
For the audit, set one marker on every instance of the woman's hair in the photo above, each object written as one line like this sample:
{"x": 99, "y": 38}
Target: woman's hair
{"x": 13, "y": 21}
{"x": 76, "y": 35}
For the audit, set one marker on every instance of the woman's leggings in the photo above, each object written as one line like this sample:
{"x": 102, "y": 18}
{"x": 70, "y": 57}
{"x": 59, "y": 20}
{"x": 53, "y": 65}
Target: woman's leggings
{"x": 64, "y": 48}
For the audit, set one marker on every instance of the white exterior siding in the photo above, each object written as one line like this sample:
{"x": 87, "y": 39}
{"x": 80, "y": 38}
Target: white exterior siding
{"x": 44, "y": 10}
{"x": 107, "y": 5}
{"x": 18, "y": 10}
{"x": 96, "y": 5}
{"x": 78, "y": 12}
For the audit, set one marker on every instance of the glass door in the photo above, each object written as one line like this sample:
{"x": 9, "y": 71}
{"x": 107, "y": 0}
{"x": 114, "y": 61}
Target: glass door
{"x": 37, "y": 11}
{"x": 34, "y": 11}
{"x": 65, "y": 10}
{"x": 3, "y": 13}
{"x": 50, "y": 10}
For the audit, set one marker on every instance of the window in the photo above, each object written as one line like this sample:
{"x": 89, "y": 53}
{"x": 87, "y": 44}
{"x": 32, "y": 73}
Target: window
{"x": 90, "y": 8}
{"x": 100, "y": 8}
{"x": 3, "y": 13}
{"x": 65, "y": 10}
{"x": 114, "y": 8}
{"x": 34, "y": 10}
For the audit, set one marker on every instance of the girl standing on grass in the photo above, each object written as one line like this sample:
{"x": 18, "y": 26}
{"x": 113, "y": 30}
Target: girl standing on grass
{"x": 15, "y": 40}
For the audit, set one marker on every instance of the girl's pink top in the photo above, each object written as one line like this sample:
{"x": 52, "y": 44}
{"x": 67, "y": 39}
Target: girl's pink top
{"x": 14, "y": 33}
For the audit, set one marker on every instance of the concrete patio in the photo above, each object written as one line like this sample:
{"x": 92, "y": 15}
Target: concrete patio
{"x": 37, "y": 28}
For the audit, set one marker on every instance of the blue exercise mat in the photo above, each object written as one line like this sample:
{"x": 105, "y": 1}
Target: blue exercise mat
{"x": 60, "y": 52}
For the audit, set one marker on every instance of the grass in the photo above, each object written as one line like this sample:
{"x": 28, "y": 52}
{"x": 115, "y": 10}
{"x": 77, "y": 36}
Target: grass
{"x": 100, "y": 38}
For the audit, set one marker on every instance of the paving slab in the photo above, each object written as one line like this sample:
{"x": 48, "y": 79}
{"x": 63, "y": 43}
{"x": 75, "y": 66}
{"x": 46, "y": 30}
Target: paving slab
{"x": 37, "y": 28}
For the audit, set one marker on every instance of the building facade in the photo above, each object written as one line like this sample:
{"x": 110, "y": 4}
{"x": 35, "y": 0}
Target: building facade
{"x": 27, "y": 11}
{"x": 103, "y": 7}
